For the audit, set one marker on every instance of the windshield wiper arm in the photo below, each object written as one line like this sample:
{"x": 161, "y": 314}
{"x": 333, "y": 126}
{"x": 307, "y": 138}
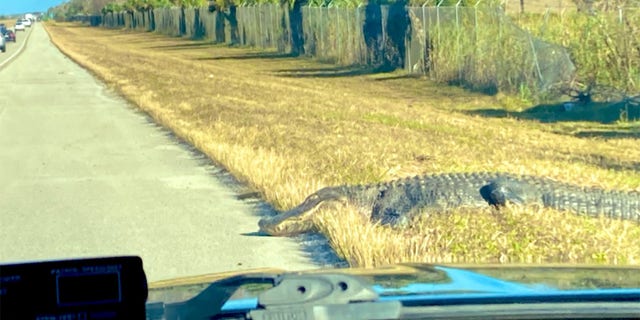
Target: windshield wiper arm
{"x": 293, "y": 296}
{"x": 323, "y": 296}
{"x": 209, "y": 302}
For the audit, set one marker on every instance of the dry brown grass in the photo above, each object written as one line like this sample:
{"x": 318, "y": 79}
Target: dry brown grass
{"x": 513, "y": 235}
{"x": 9, "y": 23}
{"x": 286, "y": 134}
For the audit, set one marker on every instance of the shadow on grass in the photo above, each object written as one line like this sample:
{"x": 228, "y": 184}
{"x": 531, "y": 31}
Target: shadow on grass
{"x": 142, "y": 39}
{"x": 598, "y": 112}
{"x": 609, "y": 134}
{"x": 331, "y": 72}
{"x": 609, "y": 118}
{"x": 402, "y": 76}
{"x": 252, "y": 56}
{"x": 185, "y": 46}
{"x": 605, "y": 162}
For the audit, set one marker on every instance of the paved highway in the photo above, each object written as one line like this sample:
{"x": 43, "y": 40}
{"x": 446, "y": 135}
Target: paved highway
{"x": 83, "y": 174}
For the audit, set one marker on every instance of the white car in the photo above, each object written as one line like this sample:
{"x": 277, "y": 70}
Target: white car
{"x": 3, "y": 44}
{"x": 19, "y": 26}
{"x": 26, "y": 22}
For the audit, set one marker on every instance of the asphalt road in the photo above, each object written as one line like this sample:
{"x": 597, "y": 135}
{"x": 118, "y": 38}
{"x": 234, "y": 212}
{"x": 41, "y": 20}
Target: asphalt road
{"x": 83, "y": 174}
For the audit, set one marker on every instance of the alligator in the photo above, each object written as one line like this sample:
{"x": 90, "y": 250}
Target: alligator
{"x": 397, "y": 202}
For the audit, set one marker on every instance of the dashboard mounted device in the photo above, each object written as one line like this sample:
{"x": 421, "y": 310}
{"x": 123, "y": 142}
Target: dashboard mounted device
{"x": 94, "y": 288}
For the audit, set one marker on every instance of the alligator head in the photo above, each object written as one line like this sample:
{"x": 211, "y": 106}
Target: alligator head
{"x": 500, "y": 192}
{"x": 299, "y": 219}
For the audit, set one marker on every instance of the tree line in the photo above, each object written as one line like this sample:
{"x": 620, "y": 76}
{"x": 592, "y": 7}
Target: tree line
{"x": 73, "y": 8}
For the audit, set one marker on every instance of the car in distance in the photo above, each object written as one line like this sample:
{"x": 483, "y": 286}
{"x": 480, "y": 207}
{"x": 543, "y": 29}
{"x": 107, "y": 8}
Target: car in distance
{"x": 26, "y": 22}
{"x": 19, "y": 26}
{"x": 9, "y": 35}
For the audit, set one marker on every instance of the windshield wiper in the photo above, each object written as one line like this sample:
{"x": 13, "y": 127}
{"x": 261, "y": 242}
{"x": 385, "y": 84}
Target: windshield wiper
{"x": 343, "y": 296}
{"x": 323, "y": 296}
{"x": 309, "y": 296}
{"x": 209, "y": 302}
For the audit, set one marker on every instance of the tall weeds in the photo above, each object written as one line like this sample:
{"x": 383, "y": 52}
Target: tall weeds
{"x": 605, "y": 47}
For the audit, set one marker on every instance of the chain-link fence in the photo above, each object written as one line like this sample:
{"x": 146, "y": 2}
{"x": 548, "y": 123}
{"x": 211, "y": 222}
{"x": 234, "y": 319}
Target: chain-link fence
{"x": 477, "y": 47}
{"x": 369, "y": 35}
{"x": 605, "y": 46}
{"x": 480, "y": 48}
{"x": 263, "y": 26}
{"x": 260, "y": 26}
{"x": 335, "y": 34}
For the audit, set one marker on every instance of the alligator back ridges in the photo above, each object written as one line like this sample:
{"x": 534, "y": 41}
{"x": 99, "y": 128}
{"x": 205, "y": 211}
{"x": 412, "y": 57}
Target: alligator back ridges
{"x": 397, "y": 202}
{"x": 595, "y": 202}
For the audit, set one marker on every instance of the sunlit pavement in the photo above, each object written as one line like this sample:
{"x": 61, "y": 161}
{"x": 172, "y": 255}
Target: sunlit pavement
{"x": 83, "y": 174}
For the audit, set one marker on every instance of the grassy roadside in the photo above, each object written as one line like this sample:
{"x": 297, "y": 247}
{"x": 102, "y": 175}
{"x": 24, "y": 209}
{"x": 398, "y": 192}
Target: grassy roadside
{"x": 290, "y": 126}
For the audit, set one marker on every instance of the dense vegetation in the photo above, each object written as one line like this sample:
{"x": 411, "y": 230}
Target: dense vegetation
{"x": 605, "y": 47}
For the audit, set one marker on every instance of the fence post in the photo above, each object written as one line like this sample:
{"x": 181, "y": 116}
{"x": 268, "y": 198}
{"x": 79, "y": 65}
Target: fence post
{"x": 257, "y": 27}
{"x": 426, "y": 50}
{"x": 358, "y": 26}
{"x": 475, "y": 23}
{"x": 384, "y": 19}
{"x": 439, "y": 33}
{"x": 438, "y": 19}
{"x": 261, "y": 23}
{"x": 275, "y": 35}
{"x": 501, "y": 49}
{"x": 330, "y": 44}
{"x": 319, "y": 8}
{"x": 265, "y": 26}
{"x": 350, "y": 49}
{"x": 476, "y": 45}
{"x": 458, "y": 14}
{"x": 309, "y": 29}
{"x": 458, "y": 58}
{"x": 338, "y": 35}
